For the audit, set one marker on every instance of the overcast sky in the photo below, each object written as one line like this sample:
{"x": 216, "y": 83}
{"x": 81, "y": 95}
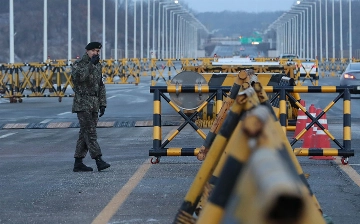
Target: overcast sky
{"x": 239, "y": 5}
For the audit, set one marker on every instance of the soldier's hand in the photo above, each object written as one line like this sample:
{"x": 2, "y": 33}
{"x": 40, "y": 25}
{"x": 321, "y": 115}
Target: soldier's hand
{"x": 95, "y": 59}
{"x": 102, "y": 111}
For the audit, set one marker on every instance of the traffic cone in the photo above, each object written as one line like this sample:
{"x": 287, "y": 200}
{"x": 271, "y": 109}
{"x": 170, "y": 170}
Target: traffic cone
{"x": 307, "y": 143}
{"x": 308, "y": 136}
{"x": 321, "y": 139}
{"x": 300, "y": 121}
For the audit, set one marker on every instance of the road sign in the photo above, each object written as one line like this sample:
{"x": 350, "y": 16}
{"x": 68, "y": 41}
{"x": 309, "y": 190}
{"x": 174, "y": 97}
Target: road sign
{"x": 249, "y": 40}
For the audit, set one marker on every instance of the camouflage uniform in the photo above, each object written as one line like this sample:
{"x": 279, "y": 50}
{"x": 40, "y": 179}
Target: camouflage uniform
{"x": 90, "y": 95}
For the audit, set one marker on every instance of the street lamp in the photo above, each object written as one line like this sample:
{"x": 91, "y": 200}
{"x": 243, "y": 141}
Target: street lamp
{"x": 159, "y": 18}
{"x": 300, "y": 46}
{"x": 165, "y": 30}
{"x": 311, "y": 22}
{"x": 172, "y": 31}
{"x": 306, "y": 30}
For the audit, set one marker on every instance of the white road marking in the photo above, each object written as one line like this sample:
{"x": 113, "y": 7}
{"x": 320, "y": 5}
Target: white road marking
{"x": 7, "y": 135}
{"x": 45, "y": 121}
{"x": 64, "y": 113}
{"x": 111, "y": 97}
{"x": 349, "y": 171}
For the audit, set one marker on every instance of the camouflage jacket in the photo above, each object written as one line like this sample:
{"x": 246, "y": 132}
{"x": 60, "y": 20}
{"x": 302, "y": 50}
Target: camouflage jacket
{"x": 90, "y": 92}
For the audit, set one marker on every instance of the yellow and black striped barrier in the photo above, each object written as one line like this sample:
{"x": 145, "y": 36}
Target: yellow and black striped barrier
{"x": 258, "y": 135}
{"x": 37, "y": 79}
{"x": 244, "y": 101}
{"x": 241, "y": 78}
{"x": 226, "y": 163}
{"x": 344, "y": 149}
{"x": 283, "y": 93}
{"x": 159, "y": 149}
{"x": 260, "y": 98}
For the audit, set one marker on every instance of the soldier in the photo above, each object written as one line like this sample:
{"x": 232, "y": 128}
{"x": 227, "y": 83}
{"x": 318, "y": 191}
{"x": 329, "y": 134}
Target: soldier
{"x": 90, "y": 98}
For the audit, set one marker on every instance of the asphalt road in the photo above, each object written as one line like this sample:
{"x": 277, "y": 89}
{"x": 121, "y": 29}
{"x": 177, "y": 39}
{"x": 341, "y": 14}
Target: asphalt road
{"x": 38, "y": 186}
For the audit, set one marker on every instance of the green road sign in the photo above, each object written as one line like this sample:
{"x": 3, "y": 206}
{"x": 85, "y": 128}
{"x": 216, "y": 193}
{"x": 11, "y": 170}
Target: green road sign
{"x": 249, "y": 40}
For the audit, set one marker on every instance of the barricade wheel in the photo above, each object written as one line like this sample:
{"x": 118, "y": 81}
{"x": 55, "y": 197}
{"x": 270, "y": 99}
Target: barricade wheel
{"x": 20, "y": 100}
{"x": 60, "y": 98}
{"x": 157, "y": 160}
{"x": 345, "y": 160}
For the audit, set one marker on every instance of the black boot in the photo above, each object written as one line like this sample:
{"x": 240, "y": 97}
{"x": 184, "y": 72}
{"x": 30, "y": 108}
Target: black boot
{"x": 79, "y": 166}
{"x": 101, "y": 164}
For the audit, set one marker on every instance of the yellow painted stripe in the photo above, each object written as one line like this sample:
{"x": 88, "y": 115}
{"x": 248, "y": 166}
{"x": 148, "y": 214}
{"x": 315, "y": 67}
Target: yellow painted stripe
{"x": 328, "y": 89}
{"x": 347, "y": 133}
{"x": 301, "y": 89}
{"x": 174, "y": 106}
{"x": 329, "y": 106}
{"x": 157, "y": 107}
{"x": 111, "y": 208}
{"x": 172, "y": 89}
{"x": 204, "y": 89}
{"x": 173, "y": 152}
{"x": 172, "y": 136}
{"x": 347, "y": 107}
{"x": 157, "y": 132}
{"x": 349, "y": 171}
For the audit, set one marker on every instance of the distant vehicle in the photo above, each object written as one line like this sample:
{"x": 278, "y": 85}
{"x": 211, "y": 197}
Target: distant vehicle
{"x": 307, "y": 67}
{"x": 288, "y": 56}
{"x": 236, "y": 60}
{"x": 351, "y": 75}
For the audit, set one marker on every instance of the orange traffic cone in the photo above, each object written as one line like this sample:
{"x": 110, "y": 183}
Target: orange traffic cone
{"x": 321, "y": 139}
{"x": 308, "y": 136}
{"x": 300, "y": 121}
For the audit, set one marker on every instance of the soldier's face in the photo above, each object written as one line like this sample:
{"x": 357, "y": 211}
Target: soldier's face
{"x": 93, "y": 52}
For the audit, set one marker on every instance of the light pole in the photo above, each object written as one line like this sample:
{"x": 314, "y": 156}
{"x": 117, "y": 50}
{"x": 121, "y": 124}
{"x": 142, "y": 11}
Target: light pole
{"x": 350, "y": 33}
{"x": 45, "y": 32}
{"x": 301, "y": 23}
{"x": 341, "y": 30}
{"x": 11, "y": 33}
{"x": 141, "y": 30}
{"x": 116, "y": 31}
{"x": 159, "y": 30}
{"x": 311, "y": 4}
{"x": 172, "y": 31}
{"x": 69, "y": 31}
{"x": 159, "y": 27}
{"x": 326, "y": 33}
{"x": 88, "y": 21}
{"x": 134, "y": 42}
{"x": 126, "y": 29}
{"x": 104, "y": 33}
{"x": 148, "y": 30}
{"x": 167, "y": 28}
{"x": 306, "y": 30}
{"x": 333, "y": 29}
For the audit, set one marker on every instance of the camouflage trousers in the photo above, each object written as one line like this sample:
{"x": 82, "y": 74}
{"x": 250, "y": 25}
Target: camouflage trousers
{"x": 87, "y": 135}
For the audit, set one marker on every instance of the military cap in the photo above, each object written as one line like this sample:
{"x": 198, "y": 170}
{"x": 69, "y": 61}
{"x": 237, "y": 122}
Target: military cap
{"x": 93, "y": 45}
